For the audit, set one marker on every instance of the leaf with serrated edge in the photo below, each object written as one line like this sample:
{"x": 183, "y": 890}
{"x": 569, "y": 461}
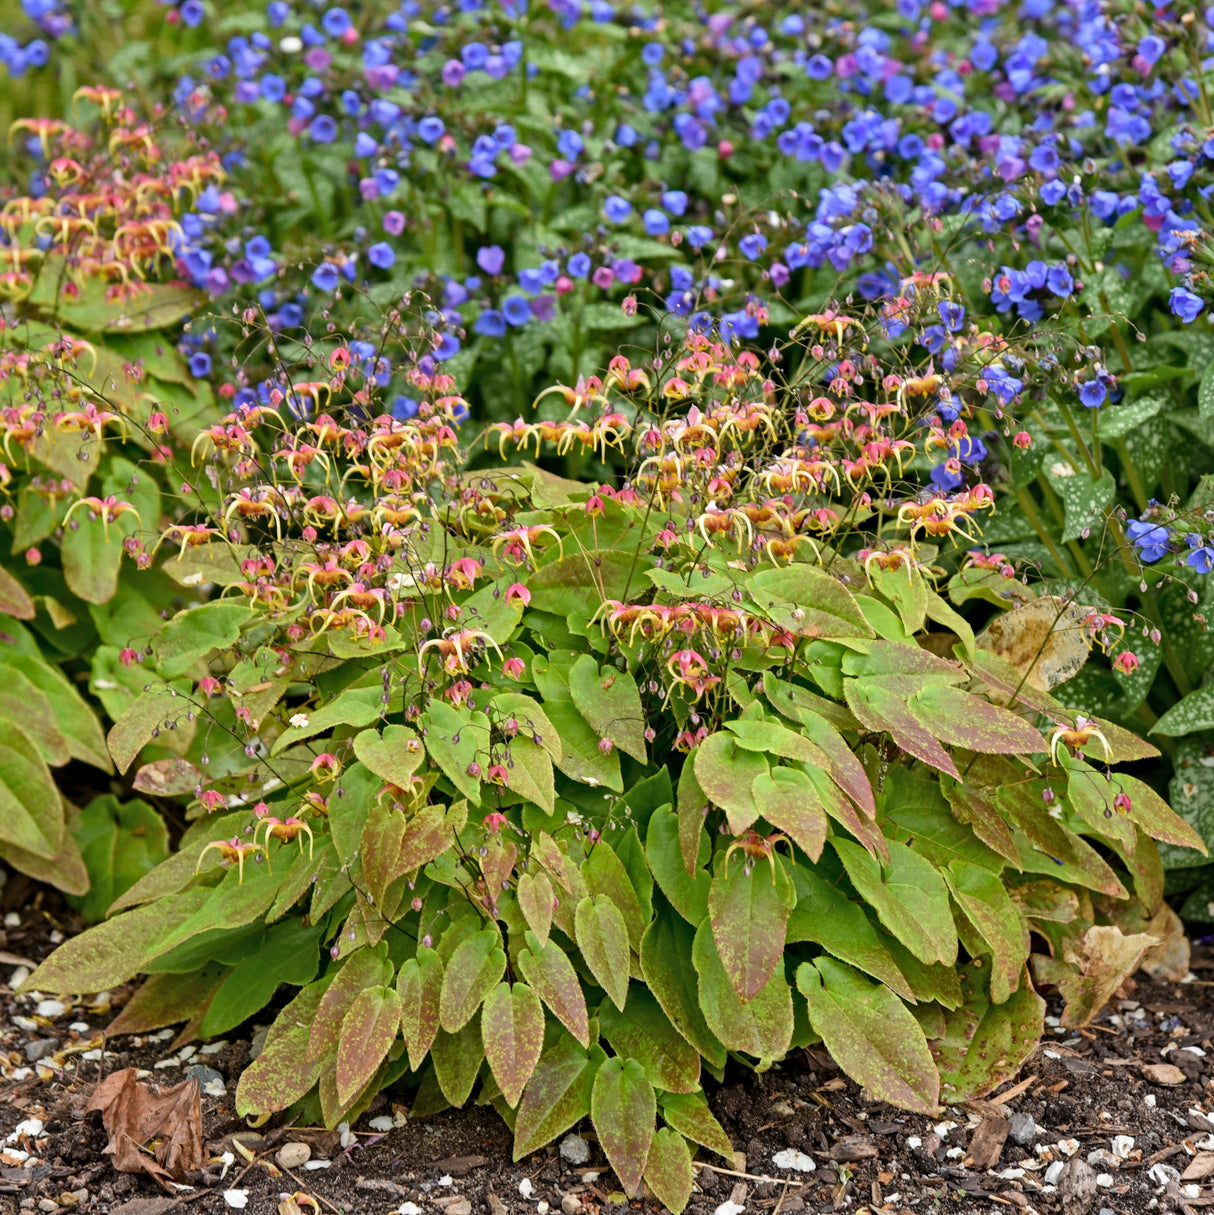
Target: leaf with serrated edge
{"x": 623, "y": 1109}
{"x": 668, "y": 1171}
{"x": 512, "y": 1031}
{"x": 469, "y": 975}
{"x": 367, "y": 1033}
{"x": 457, "y": 1060}
{"x": 550, "y": 973}
{"x": 603, "y": 940}
{"x": 870, "y": 1034}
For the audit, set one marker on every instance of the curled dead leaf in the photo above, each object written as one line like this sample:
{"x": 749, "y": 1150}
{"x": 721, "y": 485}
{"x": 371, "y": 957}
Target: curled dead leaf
{"x": 134, "y": 1114}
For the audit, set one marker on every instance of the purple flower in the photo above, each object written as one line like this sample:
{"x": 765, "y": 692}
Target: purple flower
{"x": 453, "y": 73}
{"x": 394, "y": 223}
{"x": 603, "y": 277}
{"x": 431, "y": 129}
{"x": 323, "y": 129}
{"x": 491, "y": 258}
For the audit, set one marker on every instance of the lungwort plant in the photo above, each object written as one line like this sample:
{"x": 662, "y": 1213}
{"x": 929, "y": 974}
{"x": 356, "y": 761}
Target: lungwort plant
{"x": 564, "y": 795}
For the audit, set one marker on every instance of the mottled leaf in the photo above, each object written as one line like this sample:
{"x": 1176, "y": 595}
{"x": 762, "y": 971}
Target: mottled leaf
{"x": 471, "y": 972}
{"x": 603, "y": 939}
{"x": 623, "y": 1109}
{"x": 668, "y": 1171}
{"x": 512, "y": 1031}
{"x": 552, "y": 977}
{"x": 369, "y": 1029}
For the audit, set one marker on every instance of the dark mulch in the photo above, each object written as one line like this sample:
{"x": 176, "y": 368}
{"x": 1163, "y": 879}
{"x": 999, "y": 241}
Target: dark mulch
{"x": 1090, "y": 1130}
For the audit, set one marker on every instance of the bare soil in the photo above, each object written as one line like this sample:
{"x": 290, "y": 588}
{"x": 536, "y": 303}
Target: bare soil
{"x": 1093, "y": 1127}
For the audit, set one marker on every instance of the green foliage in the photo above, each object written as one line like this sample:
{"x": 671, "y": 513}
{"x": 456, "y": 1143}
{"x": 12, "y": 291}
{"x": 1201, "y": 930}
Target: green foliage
{"x": 636, "y": 805}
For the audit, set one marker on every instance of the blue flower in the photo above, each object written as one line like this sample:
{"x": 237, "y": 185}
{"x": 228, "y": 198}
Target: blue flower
{"x": 200, "y": 365}
{"x": 1185, "y": 304}
{"x": 1150, "y": 539}
{"x": 323, "y": 129}
{"x": 617, "y": 209}
{"x": 326, "y": 277}
{"x": 1093, "y": 393}
{"x": 382, "y": 255}
{"x": 752, "y": 246}
{"x": 675, "y": 201}
{"x": 578, "y": 265}
{"x": 192, "y": 13}
{"x": 953, "y": 315}
{"x": 516, "y": 310}
{"x": 490, "y": 323}
{"x": 1201, "y": 559}
{"x": 656, "y": 222}
{"x": 431, "y": 129}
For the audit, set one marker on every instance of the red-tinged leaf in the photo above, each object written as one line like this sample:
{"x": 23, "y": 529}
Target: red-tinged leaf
{"x": 512, "y": 1031}
{"x": 113, "y": 952}
{"x": 668, "y": 1171}
{"x": 883, "y": 710}
{"x": 548, "y": 852}
{"x": 556, "y": 1096}
{"x": 985, "y": 1044}
{"x": 844, "y": 768}
{"x": 610, "y": 701}
{"x": 975, "y": 807}
{"x": 531, "y": 775}
{"x": 535, "y": 895}
{"x": 809, "y": 602}
{"x": 772, "y": 738}
{"x": 727, "y": 773}
{"x": 284, "y": 1071}
{"x": 14, "y": 598}
{"x": 365, "y": 968}
{"x": 603, "y": 939}
{"x": 870, "y": 1034}
{"x": 379, "y": 847}
{"x": 692, "y": 811}
{"x": 643, "y": 1032}
{"x": 688, "y": 1113}
{"x": 167, "y": 999}
{"x": 749, "y": 913}
{"x": 985, "y": 901}
{"x": 457, "y": 1060}
{"x": 790, "y": 803}
{"x": 623, "y": 1109}
{"x": 552, "y": 977}
{"x": 419, "y": 984}
{"x": 761, "y": 1027}
{"x": 428, "y": 835}
{"x": 472, "y": 971}
{"x": 838, "y": 805}
{"x": 1155, "y": 816}
{"x": 968, "y": 721}
{"x": 367, "y": 1034}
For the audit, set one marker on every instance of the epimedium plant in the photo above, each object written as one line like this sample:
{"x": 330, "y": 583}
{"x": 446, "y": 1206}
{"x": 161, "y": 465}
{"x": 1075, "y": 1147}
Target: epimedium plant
{"x": 567, "y": 794}
{"x": 93, "y": 399}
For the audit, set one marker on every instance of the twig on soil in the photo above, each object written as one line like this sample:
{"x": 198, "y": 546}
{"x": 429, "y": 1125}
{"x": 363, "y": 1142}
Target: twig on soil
{"x": 302, "y": 1186}
{"x": 699, "y": 1164}
{"x": 1014, "y": 1091}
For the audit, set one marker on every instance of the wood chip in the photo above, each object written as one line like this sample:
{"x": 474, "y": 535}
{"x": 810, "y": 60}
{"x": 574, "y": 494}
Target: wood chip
{"x": 853, "y": 1147}
{"x": 1163, "y": 1073}
{"x": 495, "y": 1204}
{"x": 1015, "y": 1091}
{"x": 1200, "y": 1167}
{"x": 459, "y": 1166}
{"x": 986, "y": 1143}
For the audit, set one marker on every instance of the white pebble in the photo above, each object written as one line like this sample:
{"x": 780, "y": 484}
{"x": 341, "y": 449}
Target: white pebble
{"x": 51, "y": 1009}
{"x": 12, "y": 920}
{"x": 313, "y": 1165}
{"x": 525, "y": 1187}
{"x": 1105, "y": 1180}
{"x": 236, "y": 1198}
{"x": 408, "y": 1208}
{"x": 729, "y": 1207}
{"x": 383, "y": 1124}
{"x": 1068, "y": 1147}
{"x": 18, "y": 977}
{"x": 1053, "y": 1173}
{"x": 790, "y": 1158}
{"x": 29, "y": 1126}
{"x": 913, "y": 1141}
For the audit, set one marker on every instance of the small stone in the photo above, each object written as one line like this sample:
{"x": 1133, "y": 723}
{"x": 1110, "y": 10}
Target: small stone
{"x": 782, "y": 1109}
{"x": 1163, "y": 1073}
{"x": 47, "y": 1204}
{"x": 40, "y": 1048}
{"x": 575, "y": 1150}
{"x": 292, "y": 1155}
{"x": 461, "y": 1206}
{"x": 259, "y": 1041}
{"x": 50, "y": 1009}
{"x": 571, "y": 1204}
{"x": 206, "y": 1076}
{"x": 1022, "y": 1129}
